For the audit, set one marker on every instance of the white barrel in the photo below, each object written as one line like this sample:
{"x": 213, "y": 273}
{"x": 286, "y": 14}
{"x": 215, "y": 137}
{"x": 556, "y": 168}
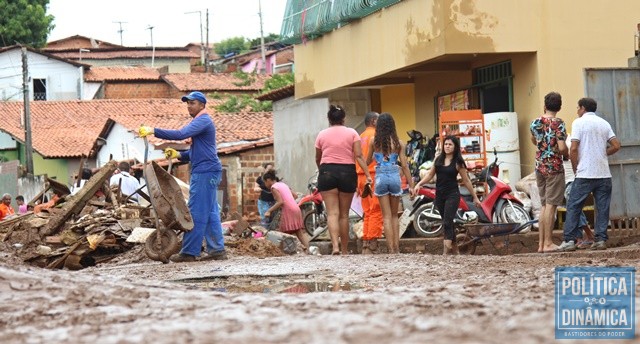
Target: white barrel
{"x": 510, "y": 171}
{"x": 501, "y": 132}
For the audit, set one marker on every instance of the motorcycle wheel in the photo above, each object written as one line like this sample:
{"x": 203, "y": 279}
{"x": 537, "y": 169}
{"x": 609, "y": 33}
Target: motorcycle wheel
{"x": 517, "y": 214}
{"x": 425, "y": 227}
{"x": 466, "y": 246}
{"x": 311, "y": 221}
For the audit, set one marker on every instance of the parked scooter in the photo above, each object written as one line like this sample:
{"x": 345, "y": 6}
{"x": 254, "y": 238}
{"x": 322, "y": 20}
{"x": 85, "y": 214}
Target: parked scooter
{"x": 312, "y": 207}
{"x": 498, "y": 205}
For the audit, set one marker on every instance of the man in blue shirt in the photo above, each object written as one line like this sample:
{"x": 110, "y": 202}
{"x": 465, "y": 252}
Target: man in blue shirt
{"x": 206, "y": 173}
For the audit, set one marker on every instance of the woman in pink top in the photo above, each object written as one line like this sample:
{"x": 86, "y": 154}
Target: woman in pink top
{"x": 337, "y": 150}
{"x": 291, "y": 216}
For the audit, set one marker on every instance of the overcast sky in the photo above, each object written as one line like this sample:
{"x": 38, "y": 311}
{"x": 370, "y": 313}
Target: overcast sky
{"x": 171, "y": 27}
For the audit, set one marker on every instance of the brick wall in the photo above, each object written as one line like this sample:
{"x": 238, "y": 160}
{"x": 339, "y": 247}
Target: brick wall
{"x": 138, "y": 90}
{"x": 242, "y": 170}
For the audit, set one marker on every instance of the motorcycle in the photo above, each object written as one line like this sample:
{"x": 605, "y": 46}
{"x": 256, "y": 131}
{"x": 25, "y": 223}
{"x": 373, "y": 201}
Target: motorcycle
{"x": 497, "y": 206}
{"x": 312, "y": 207}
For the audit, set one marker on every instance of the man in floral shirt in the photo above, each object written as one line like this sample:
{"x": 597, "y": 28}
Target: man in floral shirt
{"x": 548, "y": 133}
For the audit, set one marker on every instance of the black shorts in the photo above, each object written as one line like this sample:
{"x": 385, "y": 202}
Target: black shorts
{"x": 337, "y": 176}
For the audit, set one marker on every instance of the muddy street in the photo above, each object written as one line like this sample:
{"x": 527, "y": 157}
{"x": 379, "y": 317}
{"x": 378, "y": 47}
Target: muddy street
{"x": 408, "y": 298}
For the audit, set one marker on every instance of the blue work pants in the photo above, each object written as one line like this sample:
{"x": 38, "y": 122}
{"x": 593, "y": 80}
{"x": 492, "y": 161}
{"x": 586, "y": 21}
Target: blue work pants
{"x": 204, "y": 209}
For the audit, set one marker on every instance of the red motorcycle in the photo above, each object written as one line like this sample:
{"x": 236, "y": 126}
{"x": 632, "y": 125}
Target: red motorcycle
{"x": 312, "y": 207}
{"x": 497, "y": 206}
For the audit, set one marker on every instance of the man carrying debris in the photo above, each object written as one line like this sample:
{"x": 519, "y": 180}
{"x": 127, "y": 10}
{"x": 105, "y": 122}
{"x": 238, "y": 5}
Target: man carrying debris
{"x": 6, "y": 211}
{"x": 128, "y": 183}
{"x": 206, "y": 173}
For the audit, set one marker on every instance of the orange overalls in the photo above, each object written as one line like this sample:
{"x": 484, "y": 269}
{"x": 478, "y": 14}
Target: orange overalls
{"x": 372, "y": 225}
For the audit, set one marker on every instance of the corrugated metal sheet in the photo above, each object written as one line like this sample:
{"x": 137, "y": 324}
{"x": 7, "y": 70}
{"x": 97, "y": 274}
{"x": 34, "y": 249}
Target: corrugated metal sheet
{"x": 617, "y": 91}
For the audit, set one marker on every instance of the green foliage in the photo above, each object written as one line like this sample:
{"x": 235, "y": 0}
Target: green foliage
{"x": 231, "y": 45}
{"x": 246, "y": 79}
{"x": 278, "y": 81}
{"x": 25, "y": 22}
{"x": 272, "y": 37}
{"x": 243, "y": 102}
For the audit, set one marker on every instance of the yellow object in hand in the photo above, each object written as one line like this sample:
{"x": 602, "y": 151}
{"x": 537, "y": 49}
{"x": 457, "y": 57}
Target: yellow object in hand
{"x": 145, "y": 131}
{"x": 171, "y": 153}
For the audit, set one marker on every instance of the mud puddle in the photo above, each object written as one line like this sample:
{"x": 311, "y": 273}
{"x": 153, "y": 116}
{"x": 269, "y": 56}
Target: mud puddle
{"x": 271, "y": 284}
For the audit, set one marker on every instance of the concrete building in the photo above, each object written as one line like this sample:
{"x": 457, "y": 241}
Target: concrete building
{"x": 502, "y": 55}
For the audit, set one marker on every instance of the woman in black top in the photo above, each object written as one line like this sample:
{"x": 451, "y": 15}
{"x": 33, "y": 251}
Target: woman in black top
{"x": 447, "y": 166}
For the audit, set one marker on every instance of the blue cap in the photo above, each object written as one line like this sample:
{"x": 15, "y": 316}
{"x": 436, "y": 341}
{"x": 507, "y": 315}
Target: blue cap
{"x": 195, "y": 96}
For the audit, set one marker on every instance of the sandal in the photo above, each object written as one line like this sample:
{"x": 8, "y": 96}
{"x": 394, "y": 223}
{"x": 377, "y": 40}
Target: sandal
{"x": 336, "y": 253}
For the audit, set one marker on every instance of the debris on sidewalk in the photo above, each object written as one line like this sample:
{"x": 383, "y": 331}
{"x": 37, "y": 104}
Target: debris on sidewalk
{"x": 97, "y": 224}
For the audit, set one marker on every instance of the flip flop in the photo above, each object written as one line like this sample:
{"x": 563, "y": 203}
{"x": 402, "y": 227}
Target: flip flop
{"x": 336, "y": 253}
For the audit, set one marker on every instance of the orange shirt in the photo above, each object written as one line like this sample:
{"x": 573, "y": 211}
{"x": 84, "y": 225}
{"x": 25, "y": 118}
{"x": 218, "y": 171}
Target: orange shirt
{"x": 366, "y": 137}
{"x": 5, "y": 211}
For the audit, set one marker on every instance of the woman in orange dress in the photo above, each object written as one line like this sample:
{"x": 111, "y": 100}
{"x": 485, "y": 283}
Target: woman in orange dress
{"x": 291, "y": 216}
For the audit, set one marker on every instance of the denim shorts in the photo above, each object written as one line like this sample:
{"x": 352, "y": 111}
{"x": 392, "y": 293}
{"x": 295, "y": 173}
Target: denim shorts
{"x": 387, "y": 181}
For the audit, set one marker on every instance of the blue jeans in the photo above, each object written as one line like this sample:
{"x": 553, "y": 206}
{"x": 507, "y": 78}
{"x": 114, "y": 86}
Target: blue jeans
{"x": 263, "y": 206}
{"x": 583, "y": 218}
{"x": 387, "y": 181}
{"x": 204, "y": 209}
{"x": 581, "y": 188}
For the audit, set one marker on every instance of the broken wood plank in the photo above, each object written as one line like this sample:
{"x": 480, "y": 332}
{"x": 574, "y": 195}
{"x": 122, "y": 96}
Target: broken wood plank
{"x": 75, "y": 204}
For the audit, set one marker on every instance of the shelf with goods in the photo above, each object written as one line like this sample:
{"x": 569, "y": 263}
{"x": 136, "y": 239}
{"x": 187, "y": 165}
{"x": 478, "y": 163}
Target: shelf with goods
{"x": 468, "y": 126}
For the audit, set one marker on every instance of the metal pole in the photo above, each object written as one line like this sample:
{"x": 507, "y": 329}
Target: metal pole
{"x": 153, "y": 48}
{"x": 264, "y": 58}
{"x": 206, "y": 49}
{"x": 27, "y": 114}
{"x": 202, "y": 49}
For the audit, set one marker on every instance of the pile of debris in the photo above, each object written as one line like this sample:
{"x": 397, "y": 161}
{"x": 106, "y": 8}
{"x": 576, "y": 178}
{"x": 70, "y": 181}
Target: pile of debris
{"x": 75, "y": 231}
{"x": 97, "y": 224}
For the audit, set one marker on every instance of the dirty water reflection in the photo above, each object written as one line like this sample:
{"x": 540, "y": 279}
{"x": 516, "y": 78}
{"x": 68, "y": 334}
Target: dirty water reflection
{"x": 294, "y": 284}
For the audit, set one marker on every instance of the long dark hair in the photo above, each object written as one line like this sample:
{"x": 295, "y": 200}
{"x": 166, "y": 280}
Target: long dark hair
{"x": 271, "y": 174}
{"x": 457, "y": 154}
{"x": 386, "y": 139}
{"x": 336, "y": 115}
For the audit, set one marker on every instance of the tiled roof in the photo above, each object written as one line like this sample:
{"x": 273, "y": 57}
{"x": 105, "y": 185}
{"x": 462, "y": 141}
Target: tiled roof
{"x": 44, "y": 53}
{"x": 231, "y": 128}
{"x": 121, "y": 73}
{"x": 70, "y": 128}
{"x": 284, "y": 55}
{"x": 77, "y": 42}
{"x": 126, "y": 53}
{"x": 213, "y": 82}
{"x": 277, "y": 94}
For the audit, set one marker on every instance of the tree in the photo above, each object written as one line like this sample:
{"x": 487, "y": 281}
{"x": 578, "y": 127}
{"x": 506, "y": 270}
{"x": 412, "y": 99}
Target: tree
{"x": 231, "y": 45}
{"x": 272, "y": 37}
{"x": 25, "y": 22}
{"x": 278, "y": 81}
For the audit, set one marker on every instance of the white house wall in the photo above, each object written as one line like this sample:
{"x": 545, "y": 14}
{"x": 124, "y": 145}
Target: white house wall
{"x": 123, "y": 145}
{"x": 296, "y": 123}
{"x": 6, "y": 142}
{"x": 62, "y": 79}
{"x": 90, "y": 90}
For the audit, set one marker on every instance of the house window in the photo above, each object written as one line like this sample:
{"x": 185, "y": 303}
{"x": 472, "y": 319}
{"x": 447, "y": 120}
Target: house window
{"x": 495, "y": 86}
{"x": 39, "y": 89}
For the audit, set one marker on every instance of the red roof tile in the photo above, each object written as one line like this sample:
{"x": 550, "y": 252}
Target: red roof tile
{"x": 125, "y": 53}
{"x": 278, "y": 94}
{"x": 213, "y": 82}
{"x": 70, "y": 128}
{"x": 121, "y": 73}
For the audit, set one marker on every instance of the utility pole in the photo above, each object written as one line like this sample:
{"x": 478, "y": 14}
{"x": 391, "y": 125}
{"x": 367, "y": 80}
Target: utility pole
{"x": 206, "y": 49}
{"x": 202, "y": 49}
{"x": 153, "y": 48}
{"x": 121, "y": 30}
{"x": 264, "y": 58}
{"x": 27, "y": 114}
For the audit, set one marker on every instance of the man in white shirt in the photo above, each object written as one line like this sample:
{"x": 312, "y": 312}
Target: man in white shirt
{"x": 569, "y": 177}
{"x": 592, "y": 142}
{"x": 128, "y": 183}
